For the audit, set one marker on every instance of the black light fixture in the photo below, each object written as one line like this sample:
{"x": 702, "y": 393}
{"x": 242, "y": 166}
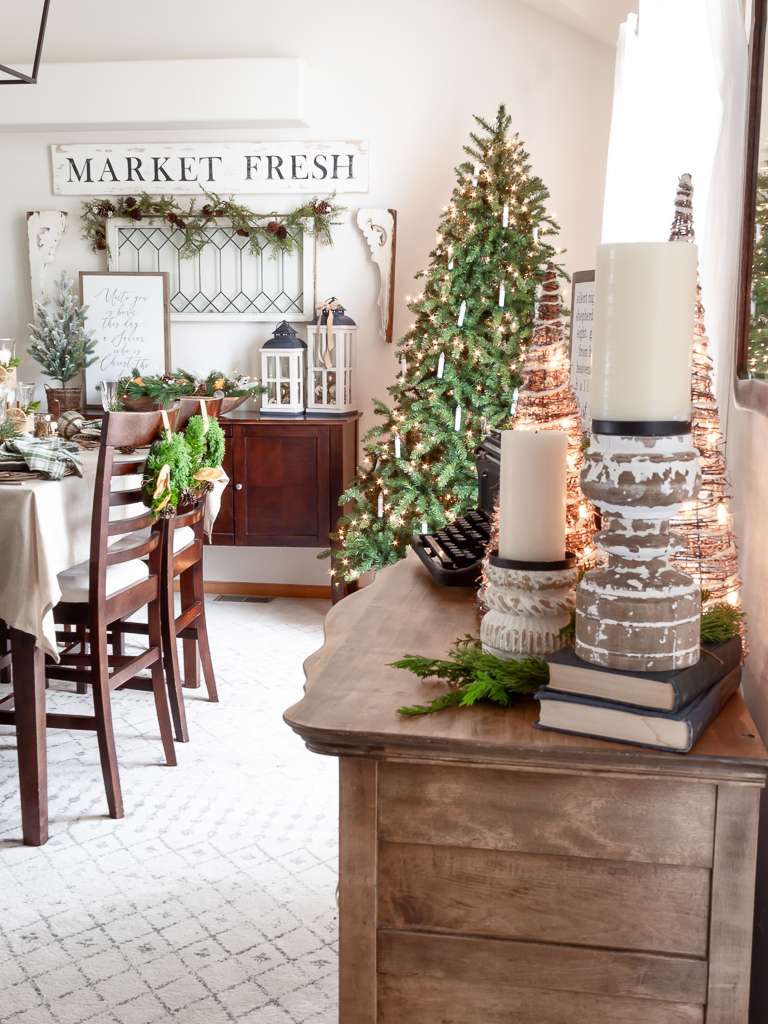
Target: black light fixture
{"x": 18, "y": 77}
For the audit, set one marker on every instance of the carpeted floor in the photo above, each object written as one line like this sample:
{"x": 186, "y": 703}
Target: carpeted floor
{"x": 213, "y": 899}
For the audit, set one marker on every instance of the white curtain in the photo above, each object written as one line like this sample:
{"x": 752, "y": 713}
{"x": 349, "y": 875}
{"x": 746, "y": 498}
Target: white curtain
{"x": 680, "y": 106}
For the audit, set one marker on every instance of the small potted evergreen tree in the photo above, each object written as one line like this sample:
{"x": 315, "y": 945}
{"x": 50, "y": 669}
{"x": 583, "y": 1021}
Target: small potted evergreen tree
{"x": 61, "y": 345}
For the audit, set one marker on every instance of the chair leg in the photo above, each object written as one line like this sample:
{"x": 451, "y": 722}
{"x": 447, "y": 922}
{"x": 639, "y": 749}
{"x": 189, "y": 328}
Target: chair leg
{"x": 158, "y": 684}
{"x": 81, "y": 633}
{"x": 189, "y": 647}
{"x": 171, "y": 658}
{"x": 104, "y": 732}
{"x": 201, "y": 629}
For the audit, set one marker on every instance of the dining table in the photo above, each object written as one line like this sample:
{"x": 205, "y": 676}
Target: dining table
{"x": 45, "y": 527}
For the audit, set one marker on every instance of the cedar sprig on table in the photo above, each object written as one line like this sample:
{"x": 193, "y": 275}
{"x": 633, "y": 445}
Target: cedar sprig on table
{"x": 475, "y": 676}
{"x": 719, "y": 623}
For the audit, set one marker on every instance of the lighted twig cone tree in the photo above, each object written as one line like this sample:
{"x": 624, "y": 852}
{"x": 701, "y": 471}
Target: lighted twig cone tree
{"x": 545, "y": 401}
{"x": 459, "y": 361}
{"x": 709, "y": 555}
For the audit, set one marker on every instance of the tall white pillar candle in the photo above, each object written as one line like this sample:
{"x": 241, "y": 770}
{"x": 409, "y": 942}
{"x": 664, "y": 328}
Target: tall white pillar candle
{"x": 457, "y": 419}
{"x": 502, "y": 294}
{"x": 380, "y": 506}
{"x": 643, "y": 331}
{"x": 440, "y": 365}
{"x": 532, "y": 495}
{"x": 505, "y": 216}
{"x": 397, "y": 446}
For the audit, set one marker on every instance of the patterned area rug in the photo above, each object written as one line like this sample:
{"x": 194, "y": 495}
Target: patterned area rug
{"x": 213, "y": 899}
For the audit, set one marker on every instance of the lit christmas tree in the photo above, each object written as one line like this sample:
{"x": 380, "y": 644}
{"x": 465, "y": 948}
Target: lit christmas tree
{"x": 757, "y": 357}
{"x": 709, "y": 555}
{"x": 545, "y": 401}
{"x": 459, "y": 361}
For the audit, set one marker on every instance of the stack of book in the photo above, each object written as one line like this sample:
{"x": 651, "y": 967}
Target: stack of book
{"x": 667, "y": 710}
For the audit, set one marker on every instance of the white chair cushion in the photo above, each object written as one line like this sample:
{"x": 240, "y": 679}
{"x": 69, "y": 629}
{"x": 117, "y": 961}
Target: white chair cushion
{"x": 73, "y": 582}
{"x": 182, "y": 538}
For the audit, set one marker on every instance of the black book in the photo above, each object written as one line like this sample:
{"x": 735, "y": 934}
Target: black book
{"x": 667, "y": 691}
{"x": 642, "y": 727}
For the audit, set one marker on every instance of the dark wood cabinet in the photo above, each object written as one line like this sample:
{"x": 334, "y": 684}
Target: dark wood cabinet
{"x": 287, "y": 477}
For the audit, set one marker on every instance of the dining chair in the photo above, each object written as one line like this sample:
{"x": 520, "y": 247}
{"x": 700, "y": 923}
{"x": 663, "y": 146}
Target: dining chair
{"x": 182, "y": 540}
{"x": 113, "y": 583}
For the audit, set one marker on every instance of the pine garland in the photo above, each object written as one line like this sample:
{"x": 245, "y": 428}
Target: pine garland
{"x": 61, "y": 344}
{"x": 184, "y": 384}
{"x": 459, "y": 362}
{"x": 282, "y": 232}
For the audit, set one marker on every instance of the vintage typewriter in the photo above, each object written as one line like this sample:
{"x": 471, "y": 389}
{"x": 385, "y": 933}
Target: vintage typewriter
{"x": 453, "y": 554}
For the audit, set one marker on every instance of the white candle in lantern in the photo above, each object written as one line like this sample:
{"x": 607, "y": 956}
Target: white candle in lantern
{"x": 532, "y": 492}
{"x": 440, "y": 365}
{"x": 457, "y": 420}
{"x": 643, "y": 331}
{"x": 5, "y": 353}
{"x": 380, "y": 508}
{"x": 502, "y": 294}
{"x": 462, "y": 311}
{"x": 397, "y": 446}
{"x": 505, "y": 216}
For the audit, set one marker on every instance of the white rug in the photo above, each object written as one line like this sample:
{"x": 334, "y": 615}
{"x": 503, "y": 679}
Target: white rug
{"x": 213, "y": 899}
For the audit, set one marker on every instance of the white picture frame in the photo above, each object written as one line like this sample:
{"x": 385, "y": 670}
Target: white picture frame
{"x": 130, "y": 316}
{"x": 306, "y": 267}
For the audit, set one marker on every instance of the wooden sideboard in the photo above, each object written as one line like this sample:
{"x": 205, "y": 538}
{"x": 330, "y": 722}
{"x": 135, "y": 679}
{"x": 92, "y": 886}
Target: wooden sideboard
{"x": 287, "y": 477}
{"x": 493, "y": 873}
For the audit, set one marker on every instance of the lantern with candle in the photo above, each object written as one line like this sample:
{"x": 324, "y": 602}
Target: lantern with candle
{"x": 531, "y": 576}
{"x": 282, "y": 372}
{"x": 637, "y": 613}
{"x": 332, "y": 336}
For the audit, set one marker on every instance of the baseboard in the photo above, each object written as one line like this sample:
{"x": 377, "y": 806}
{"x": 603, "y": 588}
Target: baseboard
{"x": 265, "y": 589}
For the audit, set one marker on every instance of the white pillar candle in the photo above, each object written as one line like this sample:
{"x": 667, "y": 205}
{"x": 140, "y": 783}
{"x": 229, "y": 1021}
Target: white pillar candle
{"x": 397, "y": 446}
{"x": 5, "y": 353}
{"x": 450, "y": 265}
{"x": 505, "y": 216}
{"x": 380, "y": 508}
{"x": 457, "y": 419}
{"x": 462, "y": 311}
{"x": 440, "y": 365}
{"x": 424, "y": 527}
{"x": 532, "y": 495}
{"x": 502, "y": 294}
{"x": 642, "y": 337}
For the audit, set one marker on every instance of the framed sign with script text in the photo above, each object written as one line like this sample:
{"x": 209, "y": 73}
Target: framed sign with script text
{"x": 582, "y": 308}
{"x": 130, "y": 314}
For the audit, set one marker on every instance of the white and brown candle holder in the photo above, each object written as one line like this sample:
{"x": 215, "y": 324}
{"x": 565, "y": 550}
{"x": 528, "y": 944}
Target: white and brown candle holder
{"x": 529, "y": 604}
{"x": 636, "y": 613}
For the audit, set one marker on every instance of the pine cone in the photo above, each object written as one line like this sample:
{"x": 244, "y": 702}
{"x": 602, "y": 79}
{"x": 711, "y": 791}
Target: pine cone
{"x": 273, "y": 227}
{"x": 101, "y": 245}
{"x": 218, "y": 213}
{"x": 127, "y": 449}
{"x": 282, "y": 231}
{"x": 201, "y": 389}
{"x": 206, "y": 486}
{"x": 180, "y": 224}
{"x": 171, "y": 217}
{"x": 168, "y": 511}
{"x": 187, "y": 497}
{"x": 207, "y": 209}
{"x": 242, "y": 232}
{"x": 104, "y": 209}
{"x": 137, "y": 215}
{"x": 168, "y": 377}
{"x": 322, "y": 209}
{"x": 130, "y": 202}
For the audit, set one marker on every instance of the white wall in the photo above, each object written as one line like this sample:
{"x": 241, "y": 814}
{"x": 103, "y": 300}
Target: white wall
{"x": 407, "y": 76}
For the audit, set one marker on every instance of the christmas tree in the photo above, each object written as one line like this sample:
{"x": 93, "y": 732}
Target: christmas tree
{"x": 459, "y": 361}
{"x": 757, "y": 355}
{"x": 709, "y": 555}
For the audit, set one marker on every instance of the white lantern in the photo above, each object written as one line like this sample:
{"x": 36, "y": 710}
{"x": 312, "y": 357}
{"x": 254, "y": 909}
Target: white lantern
{"x": 282, "y": 371}
{"x": 331, "y": 377}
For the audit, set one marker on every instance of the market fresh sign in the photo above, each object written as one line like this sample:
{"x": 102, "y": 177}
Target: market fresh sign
{"x": 226, "y": 167}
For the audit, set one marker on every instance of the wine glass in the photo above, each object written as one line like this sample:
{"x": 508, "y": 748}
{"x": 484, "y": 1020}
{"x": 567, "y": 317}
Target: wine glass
{"x": 109, "y": 400}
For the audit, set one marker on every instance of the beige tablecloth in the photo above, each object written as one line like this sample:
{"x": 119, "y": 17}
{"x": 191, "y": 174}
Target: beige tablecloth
{"x": 45, "y": 526}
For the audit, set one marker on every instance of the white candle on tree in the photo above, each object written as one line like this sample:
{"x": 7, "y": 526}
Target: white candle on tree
{"x": 532, "y": 492}
{"x": 505, "y": 216}
{"x": 462, "y": 313}
{"x": 397, "y": 446}
{"x": 380, "y": 506}
{"x": 440, "y": 365}
{"x": 645, "y": 294}
{"x": 502, "y": 294}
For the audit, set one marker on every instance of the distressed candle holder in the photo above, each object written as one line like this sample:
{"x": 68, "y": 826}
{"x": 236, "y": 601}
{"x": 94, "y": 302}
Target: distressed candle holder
{"x": 637, "y": 613}
{"x": 529, "y": 603}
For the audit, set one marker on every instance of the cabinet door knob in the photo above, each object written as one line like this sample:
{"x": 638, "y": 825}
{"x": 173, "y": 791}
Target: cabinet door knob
{"x": 238, "y": 487}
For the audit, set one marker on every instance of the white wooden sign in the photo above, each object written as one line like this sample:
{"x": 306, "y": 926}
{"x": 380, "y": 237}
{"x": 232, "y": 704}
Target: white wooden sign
{"x": 223, "y": 167}
{"x": 130, "y": 315}
{"x": 582, "y": 309}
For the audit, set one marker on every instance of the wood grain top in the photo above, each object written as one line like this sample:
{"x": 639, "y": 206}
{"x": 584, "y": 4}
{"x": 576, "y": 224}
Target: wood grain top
{"x": 352, "y": 696}
{"x": 244, "y": 417}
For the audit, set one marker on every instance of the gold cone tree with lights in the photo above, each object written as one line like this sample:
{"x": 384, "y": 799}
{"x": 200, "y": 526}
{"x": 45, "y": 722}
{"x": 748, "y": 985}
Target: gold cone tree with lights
{"x": 710, "y": 555}
{"x": 459, "y": 361}
{"x": 545, "y": 401}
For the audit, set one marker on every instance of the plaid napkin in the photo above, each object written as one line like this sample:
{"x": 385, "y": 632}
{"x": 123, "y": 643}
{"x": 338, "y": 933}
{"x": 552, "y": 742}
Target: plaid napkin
{"x": 48, "y": 455}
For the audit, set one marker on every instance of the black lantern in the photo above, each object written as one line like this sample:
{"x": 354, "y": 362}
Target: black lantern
{"x": 18, "y": 77}
{"x": 282, "y": 371}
